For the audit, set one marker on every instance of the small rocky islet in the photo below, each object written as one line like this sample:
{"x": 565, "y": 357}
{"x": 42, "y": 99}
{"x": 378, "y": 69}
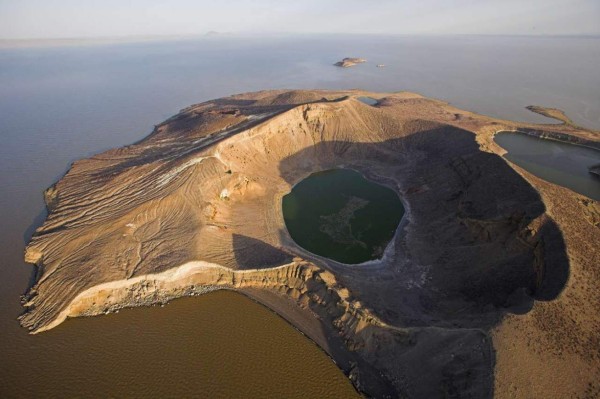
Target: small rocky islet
{"x": 349, "y": 62}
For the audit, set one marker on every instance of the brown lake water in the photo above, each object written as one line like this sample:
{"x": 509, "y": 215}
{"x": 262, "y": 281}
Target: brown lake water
{"x": 62, "y": 104}
{"x": 219, "y": 345}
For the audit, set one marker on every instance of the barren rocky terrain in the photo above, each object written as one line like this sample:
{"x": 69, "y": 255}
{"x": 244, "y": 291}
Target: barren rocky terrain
{"x": 490, "y": 286}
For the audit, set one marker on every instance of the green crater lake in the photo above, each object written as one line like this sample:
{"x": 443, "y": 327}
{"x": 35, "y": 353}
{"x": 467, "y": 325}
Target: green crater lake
{"x": 341, "y": 215}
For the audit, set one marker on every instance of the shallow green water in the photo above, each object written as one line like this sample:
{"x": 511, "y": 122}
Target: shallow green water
{"x": 341, "y": 215}
{"x": 560, "y": 163}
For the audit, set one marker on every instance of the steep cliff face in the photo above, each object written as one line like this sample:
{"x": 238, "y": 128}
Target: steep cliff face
{"x": 196, "y": 206}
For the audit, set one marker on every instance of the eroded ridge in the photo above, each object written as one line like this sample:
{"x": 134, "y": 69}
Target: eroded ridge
{"x": 486, "y": 258}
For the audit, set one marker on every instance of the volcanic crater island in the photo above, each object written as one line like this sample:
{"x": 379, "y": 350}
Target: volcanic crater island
{"x": 393, "y": 234}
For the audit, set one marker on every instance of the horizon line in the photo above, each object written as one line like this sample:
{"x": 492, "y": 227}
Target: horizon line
{"x": 116, "y": 39}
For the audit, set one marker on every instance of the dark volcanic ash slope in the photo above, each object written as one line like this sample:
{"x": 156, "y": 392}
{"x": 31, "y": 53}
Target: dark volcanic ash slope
{"x": 196, "y": 206}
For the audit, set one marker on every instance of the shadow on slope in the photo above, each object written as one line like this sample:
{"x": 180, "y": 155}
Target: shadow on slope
{"x": 476, "y": 224}
{"x": 478, "y": 244}
{"x": 251, "y": 253}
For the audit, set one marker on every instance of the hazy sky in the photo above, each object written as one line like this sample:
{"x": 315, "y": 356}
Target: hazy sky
{"x": 87, "y": 18}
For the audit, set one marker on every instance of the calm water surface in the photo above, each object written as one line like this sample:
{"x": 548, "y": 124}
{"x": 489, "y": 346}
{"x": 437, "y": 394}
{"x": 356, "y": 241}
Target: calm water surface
{"x": 61, "y": 104}
{"x": 223, "y": 339}
{"x": 560, "y": 163}
{"x": 368, "y": 100}
{"x": 341, "y": 215}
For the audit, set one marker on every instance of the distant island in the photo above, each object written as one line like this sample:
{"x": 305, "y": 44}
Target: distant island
{"x": 211, "y": 33}
{"x": 349, "y": 61}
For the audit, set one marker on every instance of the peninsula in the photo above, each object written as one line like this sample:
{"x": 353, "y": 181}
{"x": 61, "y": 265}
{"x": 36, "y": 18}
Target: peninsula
{"x": 489, "y": 287}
